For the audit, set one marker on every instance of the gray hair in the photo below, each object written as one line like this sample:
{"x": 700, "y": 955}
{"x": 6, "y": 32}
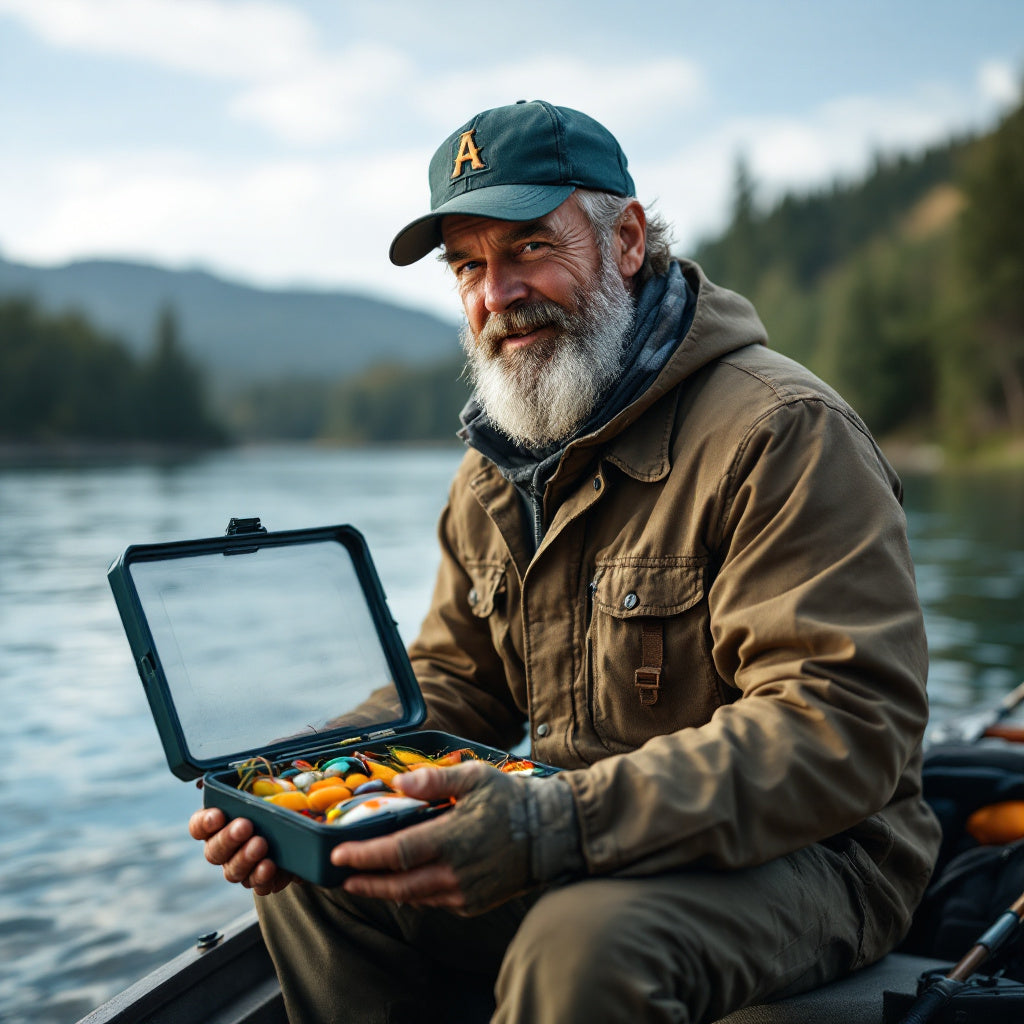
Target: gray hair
{"x": 603, "y": 210}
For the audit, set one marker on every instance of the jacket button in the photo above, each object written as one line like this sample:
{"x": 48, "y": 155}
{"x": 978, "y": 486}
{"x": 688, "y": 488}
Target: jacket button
{"x": 543, "y": 729}
{"x": 473, "y": 597}
{"x": 630, "y": 601}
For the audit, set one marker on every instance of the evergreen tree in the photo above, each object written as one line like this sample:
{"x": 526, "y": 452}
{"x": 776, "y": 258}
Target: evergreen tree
{"x": 883, "y": 361}
{"x": 992, "y": 239}
{"x": 173, "y": 403}
{"x": 62, "y": 380}
{"x": 394, "y": 404}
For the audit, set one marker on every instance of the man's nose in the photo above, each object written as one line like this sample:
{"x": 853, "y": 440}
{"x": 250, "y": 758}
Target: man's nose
{"x": 504, "y": 286}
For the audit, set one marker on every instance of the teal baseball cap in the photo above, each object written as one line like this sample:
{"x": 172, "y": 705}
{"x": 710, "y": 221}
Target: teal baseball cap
{"x": 518, "y": 162}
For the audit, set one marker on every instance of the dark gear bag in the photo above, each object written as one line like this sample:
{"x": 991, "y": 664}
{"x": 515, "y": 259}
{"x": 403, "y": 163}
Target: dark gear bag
{"x": 974, "y": 889}
{"x": 958, "y": 778}
{"x": 972, "y": 884}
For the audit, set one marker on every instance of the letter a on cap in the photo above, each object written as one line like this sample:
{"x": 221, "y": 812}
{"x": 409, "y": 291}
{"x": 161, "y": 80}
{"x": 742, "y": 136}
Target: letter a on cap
{"x": 467, "y": 152}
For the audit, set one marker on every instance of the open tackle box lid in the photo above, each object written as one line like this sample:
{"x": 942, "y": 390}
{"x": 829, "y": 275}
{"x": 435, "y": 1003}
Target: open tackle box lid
{"x": 261, "y": 643}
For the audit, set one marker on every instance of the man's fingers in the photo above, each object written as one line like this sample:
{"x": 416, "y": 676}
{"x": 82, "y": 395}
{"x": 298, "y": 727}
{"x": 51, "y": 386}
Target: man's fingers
{"x": 380, "y": 854}
{"x": 438, "y": 783}
{"x": 226, "y": 842}
{"x": 424, "y": 783}
{"x": 206, "y": 823}
{"x": 266, "y": 879}
{"x": 242, "y": 864}
{"x": 408, "y": 848}
{"x": 434, "y": 885}
{"x": 417, "y": 845}
{"x": 240, "y": 853}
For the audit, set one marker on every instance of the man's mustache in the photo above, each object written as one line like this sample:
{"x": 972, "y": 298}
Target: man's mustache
{"x": 520, "y": 320}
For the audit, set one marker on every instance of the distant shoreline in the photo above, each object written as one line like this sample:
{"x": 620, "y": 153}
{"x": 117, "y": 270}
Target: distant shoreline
{"x": 909, "y": 456}
{"x": 906, "y": 456}
{"x": 17, "y": 454}
{"x": 29, "y": 454}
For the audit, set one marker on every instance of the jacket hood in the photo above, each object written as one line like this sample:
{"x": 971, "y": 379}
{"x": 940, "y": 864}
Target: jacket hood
{"x": 723, "y": 322}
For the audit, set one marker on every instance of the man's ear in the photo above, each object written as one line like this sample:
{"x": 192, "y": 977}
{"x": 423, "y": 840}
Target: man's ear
{"x": 630, "y": 243}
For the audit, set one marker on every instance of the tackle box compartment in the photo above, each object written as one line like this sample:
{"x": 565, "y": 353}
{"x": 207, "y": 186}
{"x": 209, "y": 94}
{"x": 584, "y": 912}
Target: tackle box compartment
{"x": 274, "y": 645}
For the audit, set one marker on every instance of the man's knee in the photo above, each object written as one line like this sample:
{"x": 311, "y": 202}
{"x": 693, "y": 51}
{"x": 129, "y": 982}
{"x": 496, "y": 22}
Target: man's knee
{"x": 681, "y": 946}
{"x": 591, "y": 951}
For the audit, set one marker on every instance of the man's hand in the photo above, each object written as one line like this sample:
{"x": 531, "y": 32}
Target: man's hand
{"x": 241, "y": 854}
{"x": 469, "y": 859}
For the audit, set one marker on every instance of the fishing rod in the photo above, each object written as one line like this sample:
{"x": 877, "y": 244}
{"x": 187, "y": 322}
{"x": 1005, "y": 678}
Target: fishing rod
{"x": 987, "y": 722}
{"x": 942, "y": 990}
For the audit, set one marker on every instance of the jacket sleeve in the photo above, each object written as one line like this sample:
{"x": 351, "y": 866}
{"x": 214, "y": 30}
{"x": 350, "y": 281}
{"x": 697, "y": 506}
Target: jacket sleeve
{"x": 815, "y": 622}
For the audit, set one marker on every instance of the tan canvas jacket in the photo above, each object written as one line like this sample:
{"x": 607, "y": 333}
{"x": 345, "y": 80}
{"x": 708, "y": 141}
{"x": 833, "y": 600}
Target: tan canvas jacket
{"x": 740, "y": 516}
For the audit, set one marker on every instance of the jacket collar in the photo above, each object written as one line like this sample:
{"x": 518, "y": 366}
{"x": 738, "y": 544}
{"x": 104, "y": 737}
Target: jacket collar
{"x": 722, "y": 322}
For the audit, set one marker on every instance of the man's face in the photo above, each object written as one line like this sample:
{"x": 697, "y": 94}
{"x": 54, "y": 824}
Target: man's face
{"x": 546, "y": 319}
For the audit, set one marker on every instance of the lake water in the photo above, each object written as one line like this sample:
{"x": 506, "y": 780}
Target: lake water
{"x": 101, "y": 883}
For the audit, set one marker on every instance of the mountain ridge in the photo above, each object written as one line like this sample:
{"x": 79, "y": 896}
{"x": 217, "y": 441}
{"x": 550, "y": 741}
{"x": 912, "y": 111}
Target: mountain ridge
{"x": 238, "y": 333}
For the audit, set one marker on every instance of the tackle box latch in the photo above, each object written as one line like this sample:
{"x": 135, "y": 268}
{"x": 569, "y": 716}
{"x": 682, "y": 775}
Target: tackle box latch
{"x": 241, "y": 525}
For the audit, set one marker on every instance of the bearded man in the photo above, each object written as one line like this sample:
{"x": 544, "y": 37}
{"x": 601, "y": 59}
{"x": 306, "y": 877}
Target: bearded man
{"x": 679, "y": 560}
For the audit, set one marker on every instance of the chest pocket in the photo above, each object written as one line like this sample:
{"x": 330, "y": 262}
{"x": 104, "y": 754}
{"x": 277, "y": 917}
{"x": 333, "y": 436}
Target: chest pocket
{"x": 488, "y": 600}
{"x": 649, "y": 662}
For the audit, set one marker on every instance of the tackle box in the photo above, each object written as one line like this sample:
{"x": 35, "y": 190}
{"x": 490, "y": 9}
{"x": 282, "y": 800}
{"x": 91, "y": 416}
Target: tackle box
{"x": 277, "y": 645}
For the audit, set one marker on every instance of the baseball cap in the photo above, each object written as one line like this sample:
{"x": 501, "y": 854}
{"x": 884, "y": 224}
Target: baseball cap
{"x": 517, "y": 162}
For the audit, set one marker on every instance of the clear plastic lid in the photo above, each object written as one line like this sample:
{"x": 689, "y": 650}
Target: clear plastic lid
{"x": 261, "y": 643}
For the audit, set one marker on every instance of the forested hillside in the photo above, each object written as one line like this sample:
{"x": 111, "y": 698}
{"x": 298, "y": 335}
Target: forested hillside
{"x": 389, "y": 403}
{"x": 63, "y": 381}
{"x": 905, "y": 291}
{"x": 235, "y": 333}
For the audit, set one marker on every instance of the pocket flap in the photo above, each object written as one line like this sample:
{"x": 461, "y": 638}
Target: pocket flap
{"x": 487, "y": 581}
{"x": 637, "y": 587}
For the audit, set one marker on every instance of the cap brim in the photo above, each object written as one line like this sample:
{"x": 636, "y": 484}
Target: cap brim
{"x": 499, "y": 202}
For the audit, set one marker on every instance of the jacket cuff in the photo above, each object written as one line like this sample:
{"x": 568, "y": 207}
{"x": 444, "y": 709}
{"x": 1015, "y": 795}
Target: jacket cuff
{"x": 555, "y": 851}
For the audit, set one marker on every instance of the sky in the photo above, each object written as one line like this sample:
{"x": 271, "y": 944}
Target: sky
{"x": 284, "y": 144}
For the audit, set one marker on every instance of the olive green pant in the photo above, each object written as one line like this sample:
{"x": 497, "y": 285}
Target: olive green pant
{"x": 684, "y": 947}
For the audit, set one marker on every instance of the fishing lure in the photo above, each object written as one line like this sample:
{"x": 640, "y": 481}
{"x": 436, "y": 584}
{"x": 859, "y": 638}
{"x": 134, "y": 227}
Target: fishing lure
{"x": 356, "y": 786}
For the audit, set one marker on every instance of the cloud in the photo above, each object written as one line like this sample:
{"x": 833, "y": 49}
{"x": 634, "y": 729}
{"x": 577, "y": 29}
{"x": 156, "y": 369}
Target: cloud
{"x": 836, "y": 140}
{"x": 285, "y": 81}
{"x": 351, "y": 120}
{"x": 840, "y": 138}
{"x": 246, "y": 40}
{"x": 305, "y": 94}
{"x": 329, "y": 218}
{"x": 308, "y": 221}
{"x": 328, "y": 100}
{"x": 998, "y": 82}
{"x": 377, "y": 92}
{"x": 626, "y": 93}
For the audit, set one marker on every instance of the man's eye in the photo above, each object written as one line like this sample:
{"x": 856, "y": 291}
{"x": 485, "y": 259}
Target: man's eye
{"x": 532, "y": 247}
{"x": 461, "y": 269}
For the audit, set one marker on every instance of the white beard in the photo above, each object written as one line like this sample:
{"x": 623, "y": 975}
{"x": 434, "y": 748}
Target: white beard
{"x": 542, "y": 394}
